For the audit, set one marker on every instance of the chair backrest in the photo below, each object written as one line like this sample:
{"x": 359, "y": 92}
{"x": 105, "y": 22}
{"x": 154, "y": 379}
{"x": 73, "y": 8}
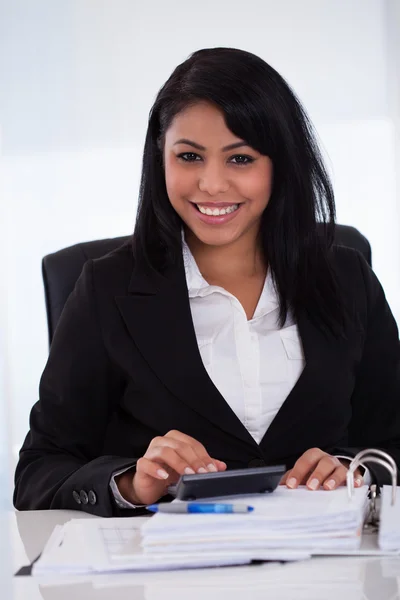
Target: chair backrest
{"x": 61, "y": 269}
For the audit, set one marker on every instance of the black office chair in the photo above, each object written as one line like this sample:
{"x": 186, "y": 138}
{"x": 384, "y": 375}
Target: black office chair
{"x": 61, "y": 269}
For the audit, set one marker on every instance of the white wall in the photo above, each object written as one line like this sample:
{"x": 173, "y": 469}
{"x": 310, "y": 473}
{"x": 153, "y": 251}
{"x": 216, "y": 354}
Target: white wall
{"x": 78, "y": 80}
{"x": 5, "y": 456}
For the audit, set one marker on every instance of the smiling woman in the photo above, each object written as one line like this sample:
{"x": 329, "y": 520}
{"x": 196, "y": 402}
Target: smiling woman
{"x": 214, "y": 187}
{"x": 218, "y": 101}
{"x": 231, "y": 332}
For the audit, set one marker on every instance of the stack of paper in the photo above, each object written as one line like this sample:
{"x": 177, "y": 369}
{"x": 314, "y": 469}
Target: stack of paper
{"x": 389, "y": 526}
{"x": 286, "y": 519}
{"x": 286, "y": 525}
{"x": 114, "y": 545}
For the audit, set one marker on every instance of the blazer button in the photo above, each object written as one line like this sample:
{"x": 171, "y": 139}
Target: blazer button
{"x": 76, "y": 497}
{"x": 92, "y": 497}
{"x": 257, "y": 462}
{"x": 84, "y": 497}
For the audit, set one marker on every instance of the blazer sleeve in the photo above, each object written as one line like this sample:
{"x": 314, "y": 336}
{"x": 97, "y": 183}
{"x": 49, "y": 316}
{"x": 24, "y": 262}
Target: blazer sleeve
{"x": 61, "y": 459}
{"x": 375, "y": 421}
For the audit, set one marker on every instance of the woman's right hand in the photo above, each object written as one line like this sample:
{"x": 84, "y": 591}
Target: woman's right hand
{"x": 166, "y": 459}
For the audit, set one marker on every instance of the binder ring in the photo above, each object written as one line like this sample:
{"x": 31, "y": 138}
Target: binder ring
{"x": 372, "y": 455}
{"x": 373, "y": 451}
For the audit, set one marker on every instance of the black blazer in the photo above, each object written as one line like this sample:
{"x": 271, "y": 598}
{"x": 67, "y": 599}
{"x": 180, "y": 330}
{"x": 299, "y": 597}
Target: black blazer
{"x": 124, "y": 367}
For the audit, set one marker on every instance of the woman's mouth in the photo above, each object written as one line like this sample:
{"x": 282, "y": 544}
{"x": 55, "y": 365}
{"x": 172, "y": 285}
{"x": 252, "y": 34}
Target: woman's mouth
{"x": 216, "y": 212}
{"x": 216, "y": 215}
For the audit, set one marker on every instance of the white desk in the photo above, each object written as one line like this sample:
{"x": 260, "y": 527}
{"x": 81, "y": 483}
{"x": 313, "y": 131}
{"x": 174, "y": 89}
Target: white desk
{"x": 316, "y": 579}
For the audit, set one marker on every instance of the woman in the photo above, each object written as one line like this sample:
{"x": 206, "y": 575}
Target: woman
{"x": 231, "y": 332}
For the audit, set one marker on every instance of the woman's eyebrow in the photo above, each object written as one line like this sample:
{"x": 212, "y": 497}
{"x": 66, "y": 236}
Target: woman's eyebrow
{"x": 199, "y": 147}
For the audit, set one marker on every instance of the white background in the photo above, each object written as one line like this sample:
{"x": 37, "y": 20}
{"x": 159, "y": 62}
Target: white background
{"x": 78, "y": 78}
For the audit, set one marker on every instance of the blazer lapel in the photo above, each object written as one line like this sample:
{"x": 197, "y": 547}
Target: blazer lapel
{"x": 158, "y": 317}
{"x": 294, "y": 422}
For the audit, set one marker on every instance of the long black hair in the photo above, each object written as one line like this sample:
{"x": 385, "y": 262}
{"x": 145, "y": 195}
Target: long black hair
{"x": 298, "y": 225}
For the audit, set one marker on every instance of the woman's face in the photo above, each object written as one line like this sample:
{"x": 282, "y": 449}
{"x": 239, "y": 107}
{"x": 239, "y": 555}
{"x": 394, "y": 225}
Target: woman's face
{"x": 219, "y": 192}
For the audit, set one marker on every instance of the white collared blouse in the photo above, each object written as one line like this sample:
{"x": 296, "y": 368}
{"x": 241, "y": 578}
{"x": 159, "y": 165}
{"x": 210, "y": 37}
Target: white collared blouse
{"x": 254, "y": 364}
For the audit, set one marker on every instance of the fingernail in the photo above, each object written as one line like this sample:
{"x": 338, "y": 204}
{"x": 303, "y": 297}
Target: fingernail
{"x": 212, "y": 468}
{"x": 163, "y": 474}
{"x": 330, "y": 484}
{"x": 189, "y": 471}
{"x": 314, "y": 483}
{"x": 202, "y": 470}
{"x": 292, "y": 482}
{"x": 358, "y": 482}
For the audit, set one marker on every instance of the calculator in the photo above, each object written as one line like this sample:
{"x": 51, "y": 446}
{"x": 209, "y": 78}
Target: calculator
{"x": 235, "y": 482}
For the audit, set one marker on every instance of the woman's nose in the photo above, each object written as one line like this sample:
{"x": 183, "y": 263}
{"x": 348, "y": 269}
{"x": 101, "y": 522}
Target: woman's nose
{"x": 213, "y": 180}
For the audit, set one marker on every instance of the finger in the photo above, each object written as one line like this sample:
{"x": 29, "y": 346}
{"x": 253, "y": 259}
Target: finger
{"x": 144, "y": 466}
{"x": 172, "y": 458}
{"x": 303, "y": 466}
{"x": 335, "y": 479}
{"x": 221, "y": 465}
{"x": 285, "y": 477}
{"x": 324, "y": 470}
{"x": 358, "y": 475}
{"x": 358, "y": 479}
{"x": 197, "y": 446}
{"x": 194, "y": 464}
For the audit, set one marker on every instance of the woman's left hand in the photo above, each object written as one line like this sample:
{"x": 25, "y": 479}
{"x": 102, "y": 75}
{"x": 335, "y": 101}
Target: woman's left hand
{"x": 317, "y": 469}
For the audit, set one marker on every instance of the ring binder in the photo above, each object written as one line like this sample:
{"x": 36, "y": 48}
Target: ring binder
{"x": 372, "y": 521}
{"x": 375, "y": 456}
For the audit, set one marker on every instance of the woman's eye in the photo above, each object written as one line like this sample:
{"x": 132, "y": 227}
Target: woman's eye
{"x": 188, "y": 156}
{"x": 238, "y": 159}
{"x": 243, "y": 159}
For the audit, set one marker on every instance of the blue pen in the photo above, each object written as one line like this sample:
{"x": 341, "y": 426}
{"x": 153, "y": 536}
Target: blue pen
{"x": 193, "y": 507}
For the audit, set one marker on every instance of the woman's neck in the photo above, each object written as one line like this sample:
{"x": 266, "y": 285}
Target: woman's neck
{"x": 241, "y": 260}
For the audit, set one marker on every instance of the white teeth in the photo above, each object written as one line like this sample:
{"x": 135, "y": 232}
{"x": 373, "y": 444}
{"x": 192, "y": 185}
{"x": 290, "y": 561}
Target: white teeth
{"x": 216, "y": 211}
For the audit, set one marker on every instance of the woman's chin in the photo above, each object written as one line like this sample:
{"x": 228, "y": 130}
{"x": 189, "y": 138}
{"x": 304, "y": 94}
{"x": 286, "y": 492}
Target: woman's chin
{"x": 214, "y": 238}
